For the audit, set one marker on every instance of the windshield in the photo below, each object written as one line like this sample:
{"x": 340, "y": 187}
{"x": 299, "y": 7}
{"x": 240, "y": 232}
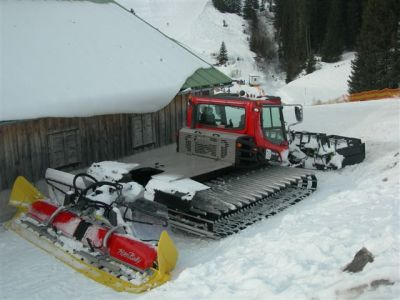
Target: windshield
{"x": 273, "y": 127}
{"x": 222, "y": 116}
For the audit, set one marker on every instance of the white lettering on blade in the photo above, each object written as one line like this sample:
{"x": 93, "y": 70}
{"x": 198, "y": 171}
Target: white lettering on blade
{"x": 130, "y": 255}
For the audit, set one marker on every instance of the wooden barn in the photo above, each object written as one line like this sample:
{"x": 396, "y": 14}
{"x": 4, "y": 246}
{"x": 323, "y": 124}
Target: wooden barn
{"x": 86, "y": 99}
{"x": 29, "y": 147}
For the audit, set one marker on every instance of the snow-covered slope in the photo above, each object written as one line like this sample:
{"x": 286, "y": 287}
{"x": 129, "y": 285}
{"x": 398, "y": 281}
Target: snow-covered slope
{"x": 326, "y": 84}
{"x": 298, "y": 254}
{"x": 197, "y": 25}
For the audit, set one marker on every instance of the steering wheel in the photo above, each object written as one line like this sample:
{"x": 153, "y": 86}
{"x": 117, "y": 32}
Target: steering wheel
{"x": 96, "y": 184}
{"x": 93, "y": 187}
{"x": 76, "y": 189}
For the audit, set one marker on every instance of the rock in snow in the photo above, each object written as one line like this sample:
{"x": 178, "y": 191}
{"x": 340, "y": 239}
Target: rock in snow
{"x": 359, "y": 261}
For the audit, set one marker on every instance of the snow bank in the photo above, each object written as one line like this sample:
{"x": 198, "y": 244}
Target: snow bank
{"x": 81, "y": 58}
{"x": 326, "y": 84}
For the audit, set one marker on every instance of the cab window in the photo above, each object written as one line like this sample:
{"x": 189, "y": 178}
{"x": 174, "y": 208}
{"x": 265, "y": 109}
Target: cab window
{"x": 272, "y": 125}
{"x": 222, "y": 116}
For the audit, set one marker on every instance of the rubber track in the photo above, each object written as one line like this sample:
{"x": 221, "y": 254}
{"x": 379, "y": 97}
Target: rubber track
{"x": 263, "y": 202}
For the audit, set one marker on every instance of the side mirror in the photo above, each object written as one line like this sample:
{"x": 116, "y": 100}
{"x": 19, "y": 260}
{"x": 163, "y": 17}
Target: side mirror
{"x": 298, "y": 111}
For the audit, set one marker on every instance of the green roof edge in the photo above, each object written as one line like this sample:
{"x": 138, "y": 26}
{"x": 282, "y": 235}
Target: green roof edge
{"x": 206, "y": 77}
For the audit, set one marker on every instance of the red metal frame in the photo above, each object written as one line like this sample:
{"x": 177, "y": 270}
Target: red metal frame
{"x": 253, "y": 128}
{"x": 121, "y": 247}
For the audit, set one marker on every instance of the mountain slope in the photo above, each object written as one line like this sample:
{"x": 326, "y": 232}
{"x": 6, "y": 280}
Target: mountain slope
{"x": 323, "y": 85}
{"x": 198, "y": 26}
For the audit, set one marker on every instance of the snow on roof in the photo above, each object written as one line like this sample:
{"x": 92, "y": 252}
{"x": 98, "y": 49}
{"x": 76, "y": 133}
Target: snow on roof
{"x": 81, "y": 58}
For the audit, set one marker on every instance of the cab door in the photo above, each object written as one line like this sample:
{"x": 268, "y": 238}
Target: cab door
{"x": 274, "y": 141}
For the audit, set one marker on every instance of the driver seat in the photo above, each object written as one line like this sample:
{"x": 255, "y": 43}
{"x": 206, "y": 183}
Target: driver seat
{"x": 208, "y": 117}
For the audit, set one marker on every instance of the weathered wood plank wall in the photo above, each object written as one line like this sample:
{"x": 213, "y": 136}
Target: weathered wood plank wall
{"x": 29, "y": 147}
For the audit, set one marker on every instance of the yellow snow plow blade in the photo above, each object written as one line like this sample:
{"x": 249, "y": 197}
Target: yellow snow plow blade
{"x": 24, "y": 193}
{"x": 167, "y": 254}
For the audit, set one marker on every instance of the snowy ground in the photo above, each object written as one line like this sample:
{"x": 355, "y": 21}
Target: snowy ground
{"x": 297, "y": 254}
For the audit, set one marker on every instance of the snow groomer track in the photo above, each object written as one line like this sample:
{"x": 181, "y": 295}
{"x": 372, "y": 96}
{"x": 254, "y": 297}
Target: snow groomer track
{"x": 241, "y": 198}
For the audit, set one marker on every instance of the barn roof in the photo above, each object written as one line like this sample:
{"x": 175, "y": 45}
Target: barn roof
{"x": 81, "y": 58}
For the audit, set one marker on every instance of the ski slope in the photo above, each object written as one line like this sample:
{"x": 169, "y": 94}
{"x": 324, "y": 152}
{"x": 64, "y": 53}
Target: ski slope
{"x": 320, "y": 86}
{"x": 198, "y": 26}
{"x": 297, "y": 254}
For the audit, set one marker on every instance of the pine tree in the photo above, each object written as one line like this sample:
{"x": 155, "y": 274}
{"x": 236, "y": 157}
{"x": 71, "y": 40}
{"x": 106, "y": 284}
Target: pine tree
{"x": 394, "y": 71}
{"x": 255, "y": 35}
{"x": 353, "y": 18}
{"x": 318, "y": 27}
{"x": 219, "y": 4}
{"x": 262, "y": 6}
{"x": 255, "y": 4}
{"x": 334, "y": 38}
{"x": 230, "y": 6}
{"x": 222, "y": 57}
{"x": 371, "y": 68}
{"x": 310, "y": 64}
{"x": 260, "y": 41}
{"x": 292, "y": 24}
{"x": 237, "y": 6}
{"x": 248, "y": 10}
{"x": 318, "y": 15}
